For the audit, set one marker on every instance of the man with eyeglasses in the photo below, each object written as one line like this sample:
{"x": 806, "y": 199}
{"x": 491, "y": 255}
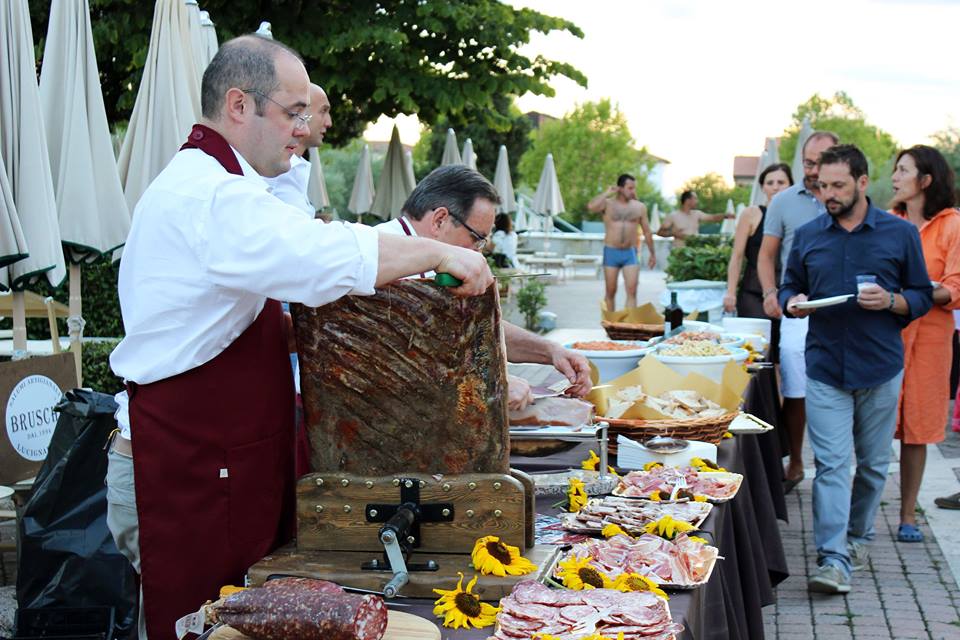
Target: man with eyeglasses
{"x": 292, "y": 186}
{"x": 788, "y": 211}
{"x": 456, "y": 205}
{"x": 200, "y": 480}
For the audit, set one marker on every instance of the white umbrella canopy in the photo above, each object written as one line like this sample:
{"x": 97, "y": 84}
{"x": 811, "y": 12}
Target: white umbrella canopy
{"x": 729, "y": 225}
{"x": 547, "y": 201}
{"x": 468, "y": 157}
{"x": 197, "y": 37}
{"x": 769, "y": 156}
{"x": 210, "y": 43}
{"x": 504, "y": 183}
{"x": 520, "y": 222}
{"x": 317, "y": 183}
{"x": 451, "y": 154}
{"x": 13, "y": 246}
{"x": 655, "y": 218}
{"x": 361, "y": 198}
{"x": 408, "y": 167}
{"x": 23, "y": 149}
{"x": 168, "y": 102}
{"x": 395, "y": 185}
{"x": 797, "y": 167}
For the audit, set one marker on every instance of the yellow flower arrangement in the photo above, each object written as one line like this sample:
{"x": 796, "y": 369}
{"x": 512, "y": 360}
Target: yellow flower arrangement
{"x": 611, "y": 530}
{"x": 577, "y": 495}
{"x": 577, "y": 574}
{"x": 593, "y": 462}
{"x": 667, "y": 528}
{"x": 637, "y": 582}
{"x": 461, "y": 608}
{"x": 491, "y": 556}
{"x": 702, "y": 464}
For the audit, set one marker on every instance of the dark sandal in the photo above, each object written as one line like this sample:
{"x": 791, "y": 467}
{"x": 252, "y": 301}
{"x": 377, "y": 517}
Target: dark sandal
{"x": 789, "y": 484}
{"x": 948, "y": 502}
{"x": 909, "y": 533}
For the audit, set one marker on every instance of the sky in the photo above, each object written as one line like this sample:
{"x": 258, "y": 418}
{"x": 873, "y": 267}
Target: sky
{"x": 701, "y": 81}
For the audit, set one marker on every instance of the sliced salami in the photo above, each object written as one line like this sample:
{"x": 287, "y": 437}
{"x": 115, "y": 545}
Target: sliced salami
{"x": 310, "y": 584}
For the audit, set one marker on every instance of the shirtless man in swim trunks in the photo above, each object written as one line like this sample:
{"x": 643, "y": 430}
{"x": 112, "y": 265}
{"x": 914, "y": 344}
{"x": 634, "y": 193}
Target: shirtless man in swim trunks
{"x": 622, "y": 213}
{"x": 685, "y": 221}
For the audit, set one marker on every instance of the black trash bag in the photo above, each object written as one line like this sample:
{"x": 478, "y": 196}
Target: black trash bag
{"x": 66, "y": 555}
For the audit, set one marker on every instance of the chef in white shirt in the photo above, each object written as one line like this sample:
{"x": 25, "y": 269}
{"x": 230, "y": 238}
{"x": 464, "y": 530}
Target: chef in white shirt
{"x": 200, "y": 480}
{"x": 457, "y": 205}
{"x": 291, "y": 186}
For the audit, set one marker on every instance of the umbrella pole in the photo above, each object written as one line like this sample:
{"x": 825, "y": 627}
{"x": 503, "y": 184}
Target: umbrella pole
{"x": 52, "y": 321}
{"x": 19, "y": 326}
{"x": 75, "y": 321}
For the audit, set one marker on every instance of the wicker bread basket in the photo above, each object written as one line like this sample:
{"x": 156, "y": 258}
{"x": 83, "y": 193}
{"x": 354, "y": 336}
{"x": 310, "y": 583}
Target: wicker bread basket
{"x": 702, "y": 429}
{"x": 630, "y": 331}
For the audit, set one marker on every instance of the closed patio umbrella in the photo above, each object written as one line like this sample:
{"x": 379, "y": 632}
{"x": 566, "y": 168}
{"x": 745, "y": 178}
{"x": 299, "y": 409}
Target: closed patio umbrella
{"x": 13, "y": 246}
{"x": 655, "y": 218}
{"x": 769, "y": 156}
{"x": 168, "y": 101}
{"x": 451, "y": 154}
{"x": 196, "y": 37}
{"x": 408, "y": 167}
{"x": 23, "y": 150}
{"x": 93, "y": 214}
{"x": 395, "y": 186}
{"x": 265, "y": 29}
{"x": 802, "y": 137}
{"x": 361, "y": 198}
{"x": 504, "y": 183}
{"x": 547, "y": 201}
{"x": 210, "y": 43}
{"x": 317, "y": 184}
{"x": 468, "y": 156}
{"x": 729, "y": 225}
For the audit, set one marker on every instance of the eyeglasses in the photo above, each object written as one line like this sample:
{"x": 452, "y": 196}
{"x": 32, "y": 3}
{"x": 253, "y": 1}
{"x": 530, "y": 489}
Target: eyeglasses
{"x": 809, "y": 164}
{"x": 481, "y": 240}
{"x": 301, "y": 118}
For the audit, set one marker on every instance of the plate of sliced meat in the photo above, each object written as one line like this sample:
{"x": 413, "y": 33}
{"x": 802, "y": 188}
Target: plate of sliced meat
{"x": 632, "y": 515}
{"x": 533, "y": 608}
{"x": 716, "y": 486}
{"x": 681, "y": 563}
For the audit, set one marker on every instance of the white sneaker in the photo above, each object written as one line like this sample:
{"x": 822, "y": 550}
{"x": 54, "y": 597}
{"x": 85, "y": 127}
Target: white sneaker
{"x": 828, "y": 579}
{"x": 859, "y": 555}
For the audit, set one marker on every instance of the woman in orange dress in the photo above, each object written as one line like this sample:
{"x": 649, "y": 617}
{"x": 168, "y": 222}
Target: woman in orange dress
{"x": 923, "y": 186}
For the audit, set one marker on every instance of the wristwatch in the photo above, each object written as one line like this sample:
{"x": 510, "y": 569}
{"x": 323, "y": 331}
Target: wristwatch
{"x": 893, "y": 301}
{"x": 769, "y": 292}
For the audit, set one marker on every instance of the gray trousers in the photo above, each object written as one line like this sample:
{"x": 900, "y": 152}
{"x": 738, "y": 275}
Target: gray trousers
{"x": 122, "y": 516}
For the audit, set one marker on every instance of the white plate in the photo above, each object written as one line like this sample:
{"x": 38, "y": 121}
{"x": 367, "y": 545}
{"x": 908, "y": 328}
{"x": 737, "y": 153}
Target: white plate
{"x": 823, "y": 302}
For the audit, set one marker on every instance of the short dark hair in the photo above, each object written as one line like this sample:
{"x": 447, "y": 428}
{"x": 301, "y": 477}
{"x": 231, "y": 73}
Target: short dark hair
{"x": 624, "y": 177}
{"x": 686, "y": 195}
{"x": 503, "y": 223}
{"x": 941, "y": 194}
{"x": 455, "y": 187}
{"x": 245, "y": 62}
{"x": 847, "y": 154}
{"x": 817, "y": 135}
{"x": 782, "y": 166}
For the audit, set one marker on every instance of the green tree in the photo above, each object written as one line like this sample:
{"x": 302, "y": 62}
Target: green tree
{"x": 407, "y": 56}
{"x": 947, "y": 142}
{"x": 487, "y": 128}
{"x": 713, "y": 192}
{"x": 591, "y": 147}
{"x": 840, "y": 115}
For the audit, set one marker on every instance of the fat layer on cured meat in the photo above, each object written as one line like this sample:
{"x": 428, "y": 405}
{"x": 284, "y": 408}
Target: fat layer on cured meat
{"x": 640, "y": 484}
{"x": 554, "y": 411}
{"x": 681, "y": 562}
{"x": 533, "y": 608}
{"x": 410, "y": 379}
{"x": 632, "y": 515}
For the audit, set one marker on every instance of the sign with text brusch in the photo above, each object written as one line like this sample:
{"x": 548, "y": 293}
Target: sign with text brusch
{"x": 29, "y": 389}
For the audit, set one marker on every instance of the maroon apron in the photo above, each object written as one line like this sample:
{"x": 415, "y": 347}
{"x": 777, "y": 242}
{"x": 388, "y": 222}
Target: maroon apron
{"x": 213, "y": 460}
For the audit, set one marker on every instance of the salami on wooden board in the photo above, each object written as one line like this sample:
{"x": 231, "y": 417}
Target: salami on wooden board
{"x": 400, "y": 626}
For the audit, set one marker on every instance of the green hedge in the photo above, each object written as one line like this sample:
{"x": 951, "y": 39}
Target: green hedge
{"x": 96, "y": 367}
{"x": 703, "y": 257}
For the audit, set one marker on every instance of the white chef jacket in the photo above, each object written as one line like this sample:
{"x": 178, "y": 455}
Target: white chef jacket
{"x": 205, "y": 251}
{"x": 291, "y": 187}
{"x": 394, "y": 227}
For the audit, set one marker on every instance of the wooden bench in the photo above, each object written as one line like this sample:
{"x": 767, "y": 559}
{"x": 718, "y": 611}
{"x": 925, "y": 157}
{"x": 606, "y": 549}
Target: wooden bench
{"x": 594, "y": 261}
{"x": 537, "y": 264}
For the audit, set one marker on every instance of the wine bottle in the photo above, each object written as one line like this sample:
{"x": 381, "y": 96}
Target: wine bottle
{"x": 673, "y": 315}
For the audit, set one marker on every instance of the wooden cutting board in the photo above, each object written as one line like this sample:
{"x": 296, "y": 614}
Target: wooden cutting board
{"x": 400, "y": 626}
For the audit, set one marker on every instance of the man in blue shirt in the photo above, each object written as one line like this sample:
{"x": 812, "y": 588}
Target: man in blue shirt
{"x": 854, "y": 353}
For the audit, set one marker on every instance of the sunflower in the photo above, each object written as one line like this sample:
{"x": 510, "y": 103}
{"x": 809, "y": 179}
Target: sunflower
{"x": 667, "y": 528}
{"x": 591, "y": 463}
{"x": 702, "y": 464}
{"x": 577, "y": 495}
{"x": 611, "y": 530}
{"x": 637, "y": 582}
{"x": 578, "y": 575}
{"x": 461, "y": 608}
{"x": 492, "y": 556}
{"x": 653, "y": 464}
{"x": 697, "y": 539}
{"x": 727, "y": 434}
{"x": 655, "y": 496}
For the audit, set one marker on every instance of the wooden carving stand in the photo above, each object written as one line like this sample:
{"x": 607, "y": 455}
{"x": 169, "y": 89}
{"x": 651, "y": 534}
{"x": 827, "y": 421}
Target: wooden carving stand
{"x": 341, "y": 518}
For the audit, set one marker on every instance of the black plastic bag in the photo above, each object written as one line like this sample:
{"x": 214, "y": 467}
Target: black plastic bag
{"x": 66, "y": 555}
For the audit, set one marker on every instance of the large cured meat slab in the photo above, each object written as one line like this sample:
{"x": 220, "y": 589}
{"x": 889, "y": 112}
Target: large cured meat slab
{"x": 410, "y": 379}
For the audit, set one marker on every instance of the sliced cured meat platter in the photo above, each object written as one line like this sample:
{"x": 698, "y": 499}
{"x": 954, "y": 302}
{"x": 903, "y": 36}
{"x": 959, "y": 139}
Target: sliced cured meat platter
{"x": 717, "y": 486}
{"x": 631, "y": 514}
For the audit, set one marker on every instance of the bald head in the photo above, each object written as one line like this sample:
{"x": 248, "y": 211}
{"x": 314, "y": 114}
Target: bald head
{"x": 248, "y": 63}
{"x": 321, "y": 121}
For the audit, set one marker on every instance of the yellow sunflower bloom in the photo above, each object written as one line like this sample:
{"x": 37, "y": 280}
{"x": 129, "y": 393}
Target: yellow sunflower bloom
{"x": 652, "y": 465}
{"x": 702, "y": 464}
{"x": 611, "y": 530}
{"x": 700, "y": 498}
{"x": 697, "y": 539}
{"x": 667, "y": 528}
{"x": 577, "y": 495}
{"x": 727, "y": 434}
{"x": 637, "y": 582}
{"x": 577, "y": 574}
{"x": 491, "y": 556}
{"x": 655, "y": 496}
{"x": 590, "y": 464}
{"x": 461, "y": 608}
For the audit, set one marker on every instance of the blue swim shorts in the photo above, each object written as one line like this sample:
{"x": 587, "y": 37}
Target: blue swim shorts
{"x": 619, "y": 257}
